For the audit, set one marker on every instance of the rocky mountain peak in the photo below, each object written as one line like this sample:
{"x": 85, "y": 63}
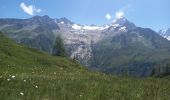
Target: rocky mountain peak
{"x": 45, "y": 18}
{"x": 123, "y": 22}
{"x": 64, "y": 20}
{"x": 165, "y": 33}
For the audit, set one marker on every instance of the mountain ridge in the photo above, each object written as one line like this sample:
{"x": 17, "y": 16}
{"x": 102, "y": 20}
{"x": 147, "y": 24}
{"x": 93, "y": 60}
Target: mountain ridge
{"x": 82, "y": 41}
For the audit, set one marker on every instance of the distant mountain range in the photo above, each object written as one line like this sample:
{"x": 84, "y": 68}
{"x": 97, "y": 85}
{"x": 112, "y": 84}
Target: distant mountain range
{"x": 118, "y": 48}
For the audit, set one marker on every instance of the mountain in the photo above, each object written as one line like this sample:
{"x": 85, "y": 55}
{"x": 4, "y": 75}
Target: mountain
{"x": 132, "y": 52}
{"x": 29, "y": 74}
{"x": 165, "y": 33}
{"x": 36, "y": 32}
{"x": 118, "y": 48}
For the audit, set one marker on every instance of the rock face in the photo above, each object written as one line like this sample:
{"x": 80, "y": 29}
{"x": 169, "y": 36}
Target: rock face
{"x": 78, "y": 41}
{"x": 116, "y": 48}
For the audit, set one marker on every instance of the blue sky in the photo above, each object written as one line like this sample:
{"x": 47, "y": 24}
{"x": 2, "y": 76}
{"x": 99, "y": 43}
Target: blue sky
{"x": 153, "y": 14}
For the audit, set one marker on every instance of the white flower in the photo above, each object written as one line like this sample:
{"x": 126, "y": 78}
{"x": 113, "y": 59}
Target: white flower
{"x": 21, "y": 93}
{"x": 36, "y": 86}
{"x": 61, "y": 68}
{"x": 25, "y": 80}
{"x": 13, "y": 76}
{"x": 8, "y": 79}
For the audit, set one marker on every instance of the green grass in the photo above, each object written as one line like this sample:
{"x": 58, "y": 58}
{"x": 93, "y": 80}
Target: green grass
{"x": 40, "y": 76}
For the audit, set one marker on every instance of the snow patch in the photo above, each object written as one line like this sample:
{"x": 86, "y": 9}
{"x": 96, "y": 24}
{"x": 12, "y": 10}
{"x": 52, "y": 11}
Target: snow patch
{"x": 115, "y": 25}
{"x": 167, "y": 37}
{"x": 61, "y": 22}
{"x": 76, "y": 27}
{"x": 95, "y": 27}
{"x": 91, "y": 27}
{"x": 123, "y": 29}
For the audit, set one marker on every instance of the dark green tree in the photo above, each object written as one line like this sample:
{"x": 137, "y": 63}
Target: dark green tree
{"x": 58, "y": 48}
{"x": 161, "y": 70}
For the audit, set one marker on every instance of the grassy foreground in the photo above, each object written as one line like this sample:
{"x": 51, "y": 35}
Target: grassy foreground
{"x": 57, "y": 84}
{"x": 27, "y": 74}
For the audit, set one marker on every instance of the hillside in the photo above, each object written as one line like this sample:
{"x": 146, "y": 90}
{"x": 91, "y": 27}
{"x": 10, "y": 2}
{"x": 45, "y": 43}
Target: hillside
{"x": 16, "y": 55}
{"x": 26, "y": 73}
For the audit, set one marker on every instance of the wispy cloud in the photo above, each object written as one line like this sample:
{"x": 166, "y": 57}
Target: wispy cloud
{"x": 30, "y": 9}
{"x": 108, "y": 16}
{"x": 119, "y": 14}
{"x": 126, "y": 8}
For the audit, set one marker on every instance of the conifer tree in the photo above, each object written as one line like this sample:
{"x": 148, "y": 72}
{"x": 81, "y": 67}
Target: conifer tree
{"x": 58, "y": 48}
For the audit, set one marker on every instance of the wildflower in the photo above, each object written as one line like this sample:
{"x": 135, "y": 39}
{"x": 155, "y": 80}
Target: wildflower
{"x": 25, "y": 80}
{"x": 36, "y": 86}
{"x": 8, "y": 79}
{"x": 13, "y": 76}
{"x": 81, "y": 95}
{"x": 21, "y": 93}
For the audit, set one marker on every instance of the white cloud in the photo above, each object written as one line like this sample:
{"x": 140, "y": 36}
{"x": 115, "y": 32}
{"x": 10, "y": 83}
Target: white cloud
{"x": 108, "y": 16}
{"x": 29, "y": 9}
{"x": 119, "y": 14}
{"x": 39, "y": 10}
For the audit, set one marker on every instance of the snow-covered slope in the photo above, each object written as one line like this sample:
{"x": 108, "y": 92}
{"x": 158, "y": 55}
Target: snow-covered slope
{"x": 165, "y": 33}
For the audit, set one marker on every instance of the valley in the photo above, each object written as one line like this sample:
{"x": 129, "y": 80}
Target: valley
{"x": 27, "y": 73}
{"x": 84, "y": 50}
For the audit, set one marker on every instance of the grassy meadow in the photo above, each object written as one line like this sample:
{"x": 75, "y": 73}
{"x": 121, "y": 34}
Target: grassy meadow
{"x": 28, "y": 74}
